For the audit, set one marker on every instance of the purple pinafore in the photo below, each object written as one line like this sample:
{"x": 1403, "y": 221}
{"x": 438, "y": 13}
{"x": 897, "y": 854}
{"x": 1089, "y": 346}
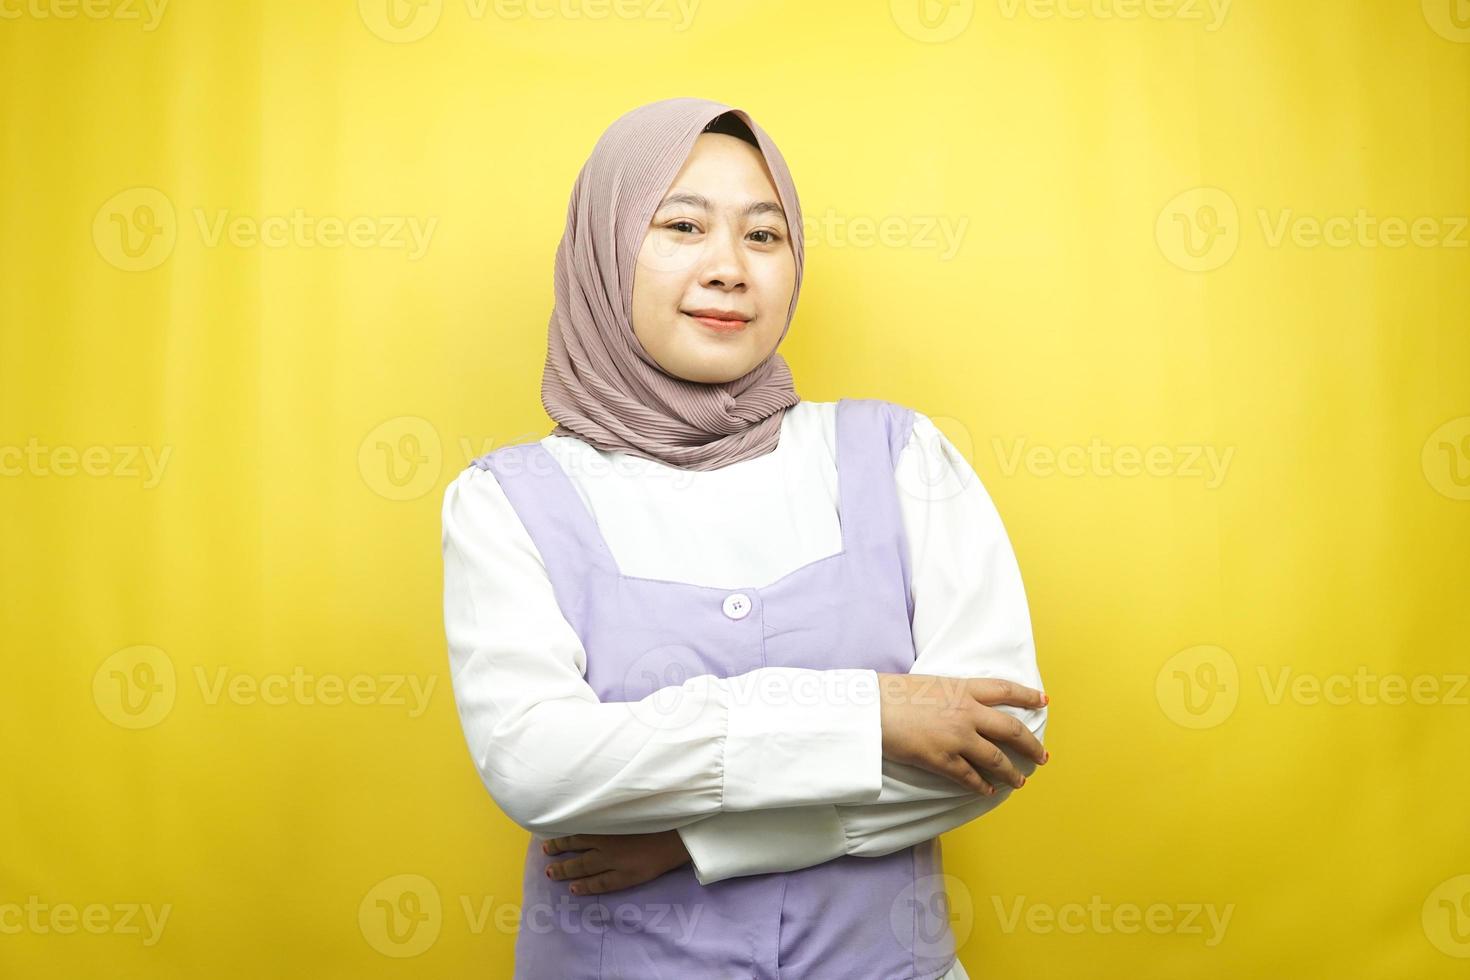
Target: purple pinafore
{"x": 851, "y": 918}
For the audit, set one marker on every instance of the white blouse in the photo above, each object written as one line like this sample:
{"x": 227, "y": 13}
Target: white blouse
{"x": 558, "y": 761}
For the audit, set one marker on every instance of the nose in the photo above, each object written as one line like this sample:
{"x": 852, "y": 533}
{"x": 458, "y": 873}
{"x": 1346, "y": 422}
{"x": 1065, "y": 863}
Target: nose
{"x": 724, "y": 263}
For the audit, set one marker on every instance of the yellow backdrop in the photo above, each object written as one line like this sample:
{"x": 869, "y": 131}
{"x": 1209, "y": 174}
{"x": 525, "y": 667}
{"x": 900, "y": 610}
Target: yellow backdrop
{"x": 1188, "y": 281}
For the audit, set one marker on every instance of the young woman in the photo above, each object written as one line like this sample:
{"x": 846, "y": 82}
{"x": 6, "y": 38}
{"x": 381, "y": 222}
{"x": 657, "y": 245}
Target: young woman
{"x": 734, "y": 659}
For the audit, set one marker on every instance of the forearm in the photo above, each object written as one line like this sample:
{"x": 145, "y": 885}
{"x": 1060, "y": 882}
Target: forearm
{"x": 572, "y": 764}
{"x": 730, "y": 845}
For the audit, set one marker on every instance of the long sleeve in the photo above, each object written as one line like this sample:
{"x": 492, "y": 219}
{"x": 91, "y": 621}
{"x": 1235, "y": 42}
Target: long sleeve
{"x": 971, "y": 619}
{"x": 557, "y": 760}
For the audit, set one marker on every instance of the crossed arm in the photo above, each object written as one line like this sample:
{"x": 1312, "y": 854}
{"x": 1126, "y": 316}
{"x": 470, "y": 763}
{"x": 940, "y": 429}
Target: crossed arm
{"x": 559, "y": 761}
{"x": 970, "y": 620}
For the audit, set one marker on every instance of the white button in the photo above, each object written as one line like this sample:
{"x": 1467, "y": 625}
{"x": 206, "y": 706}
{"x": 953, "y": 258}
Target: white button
{"x": 737, "y": 604}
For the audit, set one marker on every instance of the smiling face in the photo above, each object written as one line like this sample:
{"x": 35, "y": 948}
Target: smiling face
{"x": 718, "y": 243}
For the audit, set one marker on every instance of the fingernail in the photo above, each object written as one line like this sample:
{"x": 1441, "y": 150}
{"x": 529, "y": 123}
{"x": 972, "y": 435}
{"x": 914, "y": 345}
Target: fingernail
{"x": 1045, "y": 700}
{"x": 577, "y": 889}
{"x": 1021, "y": 783}
{"x": 1044, "y": 757}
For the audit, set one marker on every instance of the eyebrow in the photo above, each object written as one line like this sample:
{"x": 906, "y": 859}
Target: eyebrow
{"x": 700, "y": 201}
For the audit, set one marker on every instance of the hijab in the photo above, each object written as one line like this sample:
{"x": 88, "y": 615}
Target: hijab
{"x": 599, "y": 383}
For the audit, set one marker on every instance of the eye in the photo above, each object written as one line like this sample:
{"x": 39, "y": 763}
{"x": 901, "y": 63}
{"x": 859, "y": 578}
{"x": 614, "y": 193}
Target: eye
{"x": 676, "y": 224}
{"x": 773, "y": 239}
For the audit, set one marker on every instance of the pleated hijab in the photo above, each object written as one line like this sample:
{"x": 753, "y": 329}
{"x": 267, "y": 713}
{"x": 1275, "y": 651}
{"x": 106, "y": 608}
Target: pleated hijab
{"x": 599, "y": 384}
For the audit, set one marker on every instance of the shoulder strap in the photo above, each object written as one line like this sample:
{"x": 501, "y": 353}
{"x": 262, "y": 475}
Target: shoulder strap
{"x": 555, "y": 516}
{"x": 871, "y": 433}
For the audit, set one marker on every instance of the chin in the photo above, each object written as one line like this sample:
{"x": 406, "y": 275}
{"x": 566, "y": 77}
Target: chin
{"x": 709, "y": 377}
{"x": 706, "y": 372}
{"x": 710, "y": 363}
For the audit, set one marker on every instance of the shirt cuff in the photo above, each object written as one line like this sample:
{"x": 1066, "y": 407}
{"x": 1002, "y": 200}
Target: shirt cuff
{"x": 797, "y": 737}
{"x": 752, "y": 842}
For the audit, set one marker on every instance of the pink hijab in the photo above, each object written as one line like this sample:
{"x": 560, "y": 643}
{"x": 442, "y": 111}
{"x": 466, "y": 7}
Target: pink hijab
{"x": 599, "y": 384}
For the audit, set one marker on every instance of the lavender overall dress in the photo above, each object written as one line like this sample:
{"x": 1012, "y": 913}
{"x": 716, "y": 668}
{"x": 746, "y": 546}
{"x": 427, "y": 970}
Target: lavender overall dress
{"x": 851, "y": 918}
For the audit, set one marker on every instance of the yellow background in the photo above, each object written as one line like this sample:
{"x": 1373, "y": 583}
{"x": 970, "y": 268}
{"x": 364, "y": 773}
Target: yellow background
{"x": 1121, "y": 177}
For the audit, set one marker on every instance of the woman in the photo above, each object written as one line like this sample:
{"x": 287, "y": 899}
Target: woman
{"x": 724, "y": 778}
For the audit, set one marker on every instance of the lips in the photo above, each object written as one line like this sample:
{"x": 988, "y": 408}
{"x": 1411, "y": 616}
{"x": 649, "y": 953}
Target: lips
{"x": 729, "y": 316}
{"x": 720, "y": 321}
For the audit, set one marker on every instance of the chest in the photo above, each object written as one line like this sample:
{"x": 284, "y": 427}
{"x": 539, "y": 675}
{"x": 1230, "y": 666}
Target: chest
{"x": 826, "y": 588}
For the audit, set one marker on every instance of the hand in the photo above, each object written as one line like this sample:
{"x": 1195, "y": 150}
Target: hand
{"x": 948, "y": 726}
{"x": 607, "y": 862}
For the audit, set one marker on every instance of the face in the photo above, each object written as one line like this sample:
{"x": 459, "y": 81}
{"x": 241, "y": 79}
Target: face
{"x": 718, "y": 243}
